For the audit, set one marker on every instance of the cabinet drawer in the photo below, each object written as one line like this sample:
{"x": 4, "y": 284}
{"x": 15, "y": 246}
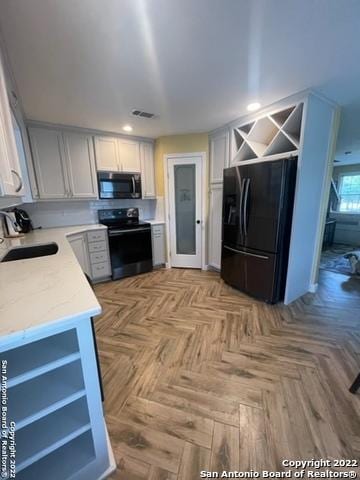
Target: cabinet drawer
{"x": 98, "y": 257}
{"x": 97, "y": 246}
{"x": 157, "y": 229}
{"x": 96, "y": 236}
{"x": 100, "y": 270}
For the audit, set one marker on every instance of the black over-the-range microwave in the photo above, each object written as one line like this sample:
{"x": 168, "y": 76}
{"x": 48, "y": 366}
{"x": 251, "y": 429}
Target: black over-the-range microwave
{"x": 119, "y": 185}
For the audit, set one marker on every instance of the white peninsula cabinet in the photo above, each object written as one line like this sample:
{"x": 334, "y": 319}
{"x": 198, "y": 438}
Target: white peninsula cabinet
{"x": 54, "y": 399}
{"x": 64, "y": 164}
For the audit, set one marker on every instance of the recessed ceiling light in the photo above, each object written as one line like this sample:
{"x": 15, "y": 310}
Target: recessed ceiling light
{"x": 253, "y": 106}
{"x": 127, "y": 128}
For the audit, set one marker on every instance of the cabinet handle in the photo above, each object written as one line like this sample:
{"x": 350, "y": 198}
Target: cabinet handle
{"x": 20, "y": 181}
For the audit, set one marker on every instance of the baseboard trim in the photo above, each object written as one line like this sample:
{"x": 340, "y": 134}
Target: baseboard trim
{"x": 213, "y": 268}
{"x": 313, "y": 287}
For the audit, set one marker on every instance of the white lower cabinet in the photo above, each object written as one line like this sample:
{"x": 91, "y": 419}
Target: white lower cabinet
{"x": 92, "y": 252}
{"x": 79, "y": 245}
{"x": 158, "y": 244}
{"x": 215, "y": 225}
{"x": 55, "y": 401}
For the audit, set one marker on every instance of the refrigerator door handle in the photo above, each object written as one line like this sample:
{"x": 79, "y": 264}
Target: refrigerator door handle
{"x": 246, "y": 253}
{"x": 241, "y": 219}
{"x": 246, "y": 197}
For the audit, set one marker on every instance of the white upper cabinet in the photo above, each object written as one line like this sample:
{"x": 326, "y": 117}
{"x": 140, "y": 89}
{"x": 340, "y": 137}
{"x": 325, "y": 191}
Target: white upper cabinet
{"x": 117, "y": 154}
{"x": 80, "y": 165}
{"x": 107, "y": 154}
{"x": 219, "y": 155}
{"x": 49, "y": 163}
{"x": 147, "y": 170}
{"x": 129, "y": 154}
{"x": 64, "y": 164}
{"x": 11, "y": 181}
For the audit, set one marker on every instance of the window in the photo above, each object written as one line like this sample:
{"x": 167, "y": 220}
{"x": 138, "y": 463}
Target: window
{"x": 349, "y": 192}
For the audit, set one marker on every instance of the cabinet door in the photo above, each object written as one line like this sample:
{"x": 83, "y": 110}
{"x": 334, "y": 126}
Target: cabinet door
{"x": 219, "y": 156}
{"x": 158, "y": 244}
{"x": 49, "y": 162}
{"x": 79, "y": 246}
{"x": 11, "y": 182}
{"x": 81, "y": 165}
{"x": 107, "y": 154}
{"x": 129, "y": 153}
{"x": 147, "y": 170}
{"x": 215, "y": 226}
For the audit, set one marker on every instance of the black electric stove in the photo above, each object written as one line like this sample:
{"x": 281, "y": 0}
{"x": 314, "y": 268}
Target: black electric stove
{"x": 129, "y": 241}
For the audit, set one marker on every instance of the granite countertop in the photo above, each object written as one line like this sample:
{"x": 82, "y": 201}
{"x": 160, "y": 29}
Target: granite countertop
{"x": 42, "y": 291}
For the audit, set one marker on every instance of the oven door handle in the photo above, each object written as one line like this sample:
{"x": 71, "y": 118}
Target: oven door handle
{"x": 115, "y": 233}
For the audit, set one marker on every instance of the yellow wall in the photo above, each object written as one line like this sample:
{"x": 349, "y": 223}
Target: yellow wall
{"x": 197, "y": 142}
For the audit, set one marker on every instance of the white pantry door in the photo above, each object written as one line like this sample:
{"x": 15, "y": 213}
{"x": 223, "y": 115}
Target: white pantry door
{"x": 185, "y": 208}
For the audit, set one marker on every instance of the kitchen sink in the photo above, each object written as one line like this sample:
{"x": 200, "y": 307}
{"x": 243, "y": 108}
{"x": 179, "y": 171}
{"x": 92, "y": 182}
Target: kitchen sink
{"x": 33, "y": 251}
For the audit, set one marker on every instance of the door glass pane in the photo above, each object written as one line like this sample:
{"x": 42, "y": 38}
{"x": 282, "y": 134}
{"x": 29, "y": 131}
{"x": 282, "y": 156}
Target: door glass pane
{"x": 185, "y": 209}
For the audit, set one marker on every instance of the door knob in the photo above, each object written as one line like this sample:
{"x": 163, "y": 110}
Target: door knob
{"x": 197, "y": 221}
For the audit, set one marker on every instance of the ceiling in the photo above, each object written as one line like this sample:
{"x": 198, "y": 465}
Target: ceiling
{"x": 195, "y": 64}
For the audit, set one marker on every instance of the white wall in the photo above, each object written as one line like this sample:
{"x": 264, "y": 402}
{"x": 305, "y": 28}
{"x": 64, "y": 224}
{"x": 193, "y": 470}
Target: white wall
{"x": 56, "y": 214}
{"x": 311, "y": 184}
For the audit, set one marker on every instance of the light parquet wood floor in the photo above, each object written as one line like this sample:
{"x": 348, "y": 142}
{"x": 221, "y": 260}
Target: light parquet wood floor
{"x": 198, "y": 376}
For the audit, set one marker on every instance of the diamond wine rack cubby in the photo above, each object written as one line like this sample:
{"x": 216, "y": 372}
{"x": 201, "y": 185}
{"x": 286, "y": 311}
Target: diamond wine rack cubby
{"x": 274, "y": 134}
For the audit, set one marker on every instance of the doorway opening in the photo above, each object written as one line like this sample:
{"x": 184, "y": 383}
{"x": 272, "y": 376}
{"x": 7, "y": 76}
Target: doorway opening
{"x": 341, "y": 242}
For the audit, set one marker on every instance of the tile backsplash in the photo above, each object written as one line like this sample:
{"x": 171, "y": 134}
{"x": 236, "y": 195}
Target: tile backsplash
{"x": 57, "y": 214}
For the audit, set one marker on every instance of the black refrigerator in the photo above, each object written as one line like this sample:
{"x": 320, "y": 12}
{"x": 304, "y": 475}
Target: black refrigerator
{"x": 257, "y": 214}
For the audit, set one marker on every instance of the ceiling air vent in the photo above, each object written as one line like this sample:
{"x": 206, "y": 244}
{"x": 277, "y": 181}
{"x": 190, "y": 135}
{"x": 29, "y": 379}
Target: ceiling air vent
{"x": 140, "y": 113}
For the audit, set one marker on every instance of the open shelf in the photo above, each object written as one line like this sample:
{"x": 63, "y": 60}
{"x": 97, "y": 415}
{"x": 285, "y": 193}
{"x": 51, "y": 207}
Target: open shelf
{"x": 31, "y": 360}
{"x": 246, "y": 128}
{"x": 64, "y": 462}
{"x": 276, "y": 133}
{"x": 292, "y": 126}
{"x": 245, "y": 153}
{"x": 42, "y": 395}
{"x": 280, "y": 144}
{"x": 280, "y": 117}
{"x": 239, "y": 140}
{"x": 261, "y": 135}
{"x": 51, "y": 432}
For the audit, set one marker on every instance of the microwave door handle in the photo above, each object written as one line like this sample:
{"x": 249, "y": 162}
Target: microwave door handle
{"x": 133, "y": 184}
